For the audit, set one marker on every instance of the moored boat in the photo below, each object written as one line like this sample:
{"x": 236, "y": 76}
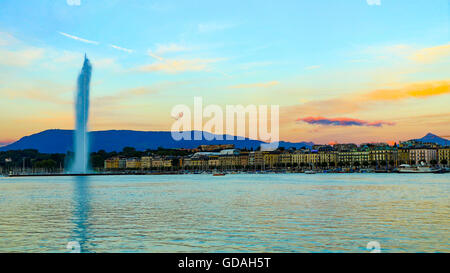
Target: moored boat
{"x": 406, "y": 168}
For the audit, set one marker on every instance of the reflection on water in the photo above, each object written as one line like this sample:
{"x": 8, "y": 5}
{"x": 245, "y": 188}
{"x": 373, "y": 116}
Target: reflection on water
{"x": 235, "y": 213}
{"x": 81, "y": 199}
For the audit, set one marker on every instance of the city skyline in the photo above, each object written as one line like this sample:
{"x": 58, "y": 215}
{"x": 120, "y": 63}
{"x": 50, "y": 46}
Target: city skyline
{"x": 359, "y": 71}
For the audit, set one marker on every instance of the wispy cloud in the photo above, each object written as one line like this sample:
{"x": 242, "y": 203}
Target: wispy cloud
{"x": 78, "y": 38}
{"x": 343, "y": 122}
{"x": 73, "y": 2}
{"x": 374, "y": 2}
{"x": 45, "y": 92}
{"x": 162, "y": 49}
{"x": 151, "y": 54}
{"x": 178, "y": 65}
{"x": 255, "y": 85}
{"x": 7, "y": 39}
{"x": 405, "y": 52}
{"x": 122, "y": 48}
{"x": 416, "y": 90}
{"x": 21, "y": 57}
{"x": 431, "y": 54}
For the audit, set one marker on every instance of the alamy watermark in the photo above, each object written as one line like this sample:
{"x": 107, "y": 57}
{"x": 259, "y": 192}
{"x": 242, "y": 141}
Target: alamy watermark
{"x": 231, "y": 122}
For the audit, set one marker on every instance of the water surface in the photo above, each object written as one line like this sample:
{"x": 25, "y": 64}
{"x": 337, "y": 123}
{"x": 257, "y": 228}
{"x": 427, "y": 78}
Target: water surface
{"x": 234, "y": 213}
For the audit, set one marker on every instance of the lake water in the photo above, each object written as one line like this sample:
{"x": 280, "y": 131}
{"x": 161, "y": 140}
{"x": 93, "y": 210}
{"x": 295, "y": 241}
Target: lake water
{"x": 234, "y": 213}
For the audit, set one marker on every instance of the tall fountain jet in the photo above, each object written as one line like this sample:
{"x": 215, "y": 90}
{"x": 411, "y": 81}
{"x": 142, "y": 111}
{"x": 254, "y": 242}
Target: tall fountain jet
{"x": 81, "y": 141}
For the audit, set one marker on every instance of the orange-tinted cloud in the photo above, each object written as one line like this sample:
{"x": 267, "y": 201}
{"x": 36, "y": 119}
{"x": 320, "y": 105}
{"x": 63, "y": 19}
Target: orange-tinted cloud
{"x": 20, "y": 57}
{"x": 343, "y": 122}
{"x": 417, "y": 90}
{"x": 178, "y": 65}
{"x": 357, "y": 102}
{"x": 431, "y": 54}
{"x": 253, "y": 85}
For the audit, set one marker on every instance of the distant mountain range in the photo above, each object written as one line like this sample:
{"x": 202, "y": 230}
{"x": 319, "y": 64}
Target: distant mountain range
{"x": 61, "y": 141}
{"x": 431, "y": 138}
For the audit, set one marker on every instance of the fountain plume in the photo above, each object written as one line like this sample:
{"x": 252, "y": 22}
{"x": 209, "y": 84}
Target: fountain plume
{"x": 81, "y": 141}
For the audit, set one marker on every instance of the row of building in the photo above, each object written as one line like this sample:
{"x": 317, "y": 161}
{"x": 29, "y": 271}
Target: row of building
{"x": 320, "y": 156}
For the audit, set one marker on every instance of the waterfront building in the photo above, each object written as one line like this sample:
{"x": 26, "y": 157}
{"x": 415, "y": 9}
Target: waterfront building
{"x": 122, "y": 163}
{"x": 167, "y": 163}
{"x": 299, "y": 158}
{"x": 444, "y": 156}
{"x": 243, "y": 160}
{"x": 345, "y": 157}
{"x": 318, "y": 147}
{"x": 251, "y": 158}
{"x": 160, "y": 163}
{"x": 383, "y": 156}
{"x": 329, "y": 157}
{"x": 230, "y": 152}
{"x": 146, "y": 162}
{"x": 187, "y": 162}
{"x": 345, "y": 147}
{"x": 312, "y": 158}
{"x": 271, "y": 159}
{"x": 256, "y": 159}
{"x": 112, "y": 163}
{"x": 115, "y": 163}
{"x": 285, "y": 159}
{"x": 228, "y": 161}
{"x": 425, "y": 155}
{"x": 133, "y": 163}
{"x": 205, "y": 154}
{"x": 199, "y": 163}
{"x": 213, "y": 162}
{"x": 402, "y": 156}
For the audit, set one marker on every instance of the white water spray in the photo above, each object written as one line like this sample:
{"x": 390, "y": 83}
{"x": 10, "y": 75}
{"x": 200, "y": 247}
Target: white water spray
{"x": 81, "y": 141}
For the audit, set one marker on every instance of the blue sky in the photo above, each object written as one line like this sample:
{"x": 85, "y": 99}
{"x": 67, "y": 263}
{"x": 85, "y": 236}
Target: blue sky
{"x": 151, "y": 55}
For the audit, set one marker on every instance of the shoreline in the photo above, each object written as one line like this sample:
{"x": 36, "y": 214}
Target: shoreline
{"x": 206, "y": 173}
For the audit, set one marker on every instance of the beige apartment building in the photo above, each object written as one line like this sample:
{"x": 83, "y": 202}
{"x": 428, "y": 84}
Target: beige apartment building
{"x": 444, "y": 155}
{"x": 423, "y": 155}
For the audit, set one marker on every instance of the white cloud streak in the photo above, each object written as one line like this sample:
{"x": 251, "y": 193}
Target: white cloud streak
{"x": 153, "y": 55}
{"x": 78, "y": 38}
{"x": 122, "y": 48}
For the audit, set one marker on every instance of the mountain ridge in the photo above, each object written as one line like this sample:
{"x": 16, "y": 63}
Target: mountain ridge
{"x": 61, "y": 141}
{"x": 432, "y": 138}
